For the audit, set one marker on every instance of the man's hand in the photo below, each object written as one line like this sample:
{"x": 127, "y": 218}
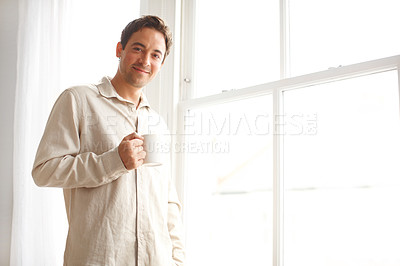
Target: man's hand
{"x": 131, "y": 151}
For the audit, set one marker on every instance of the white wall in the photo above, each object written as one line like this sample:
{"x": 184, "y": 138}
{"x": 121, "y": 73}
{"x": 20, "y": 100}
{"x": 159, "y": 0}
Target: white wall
{"x": 8, "y": 60}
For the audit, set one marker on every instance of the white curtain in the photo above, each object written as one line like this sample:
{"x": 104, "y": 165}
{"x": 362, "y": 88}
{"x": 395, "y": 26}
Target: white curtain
{"x": 39, "y": 220}
{"x": 60, "y": 43}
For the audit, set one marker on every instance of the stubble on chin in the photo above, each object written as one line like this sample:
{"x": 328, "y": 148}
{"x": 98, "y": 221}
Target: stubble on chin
{"x": 135, "y": 82}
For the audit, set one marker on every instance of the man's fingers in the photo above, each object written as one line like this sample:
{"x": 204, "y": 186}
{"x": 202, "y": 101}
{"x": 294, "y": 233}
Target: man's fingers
{"x": 142, "y": 154}
{"x": 137, "y": 142}
{"x": 139, "y": 148}
{"x": 132, "y": 136}
{"x": 131, "y": 151}
{"x": 129, "y": 137}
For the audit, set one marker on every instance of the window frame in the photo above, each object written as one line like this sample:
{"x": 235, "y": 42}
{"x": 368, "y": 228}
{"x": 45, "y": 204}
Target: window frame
{"x": 277, "y": 88}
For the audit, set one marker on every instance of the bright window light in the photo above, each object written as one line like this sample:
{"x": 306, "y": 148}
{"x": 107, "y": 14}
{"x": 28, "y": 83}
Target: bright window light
{"x": 229, "y": 194}
{"x": 236, "y": 44}
{"x": 326, "y": 34}
{"x": 341, "y": 179}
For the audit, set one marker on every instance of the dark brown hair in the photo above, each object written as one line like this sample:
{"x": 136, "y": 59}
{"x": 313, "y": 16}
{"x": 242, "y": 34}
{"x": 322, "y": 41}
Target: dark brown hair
{"x": 152, "y": 22}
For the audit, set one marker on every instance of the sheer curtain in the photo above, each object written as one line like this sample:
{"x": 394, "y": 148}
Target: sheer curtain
{"x": 60, "y": 43}
{"x": 39, "y": 220}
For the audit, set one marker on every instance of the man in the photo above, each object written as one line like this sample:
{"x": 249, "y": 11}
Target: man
{"x": 119, "y": 211}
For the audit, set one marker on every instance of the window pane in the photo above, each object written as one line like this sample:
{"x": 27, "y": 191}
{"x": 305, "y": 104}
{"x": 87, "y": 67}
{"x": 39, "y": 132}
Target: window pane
{"x": 237, "y": 44}
{"x": 327, "y": 34}
{"x": 342, "y": 178}
{"x": 228, "y": 202}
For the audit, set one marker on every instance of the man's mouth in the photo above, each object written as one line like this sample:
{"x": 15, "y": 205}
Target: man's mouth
{"x": 141, "y": 70}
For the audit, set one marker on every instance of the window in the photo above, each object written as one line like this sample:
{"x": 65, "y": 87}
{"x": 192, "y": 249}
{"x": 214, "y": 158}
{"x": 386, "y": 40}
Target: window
{"x": 320, "y": 185}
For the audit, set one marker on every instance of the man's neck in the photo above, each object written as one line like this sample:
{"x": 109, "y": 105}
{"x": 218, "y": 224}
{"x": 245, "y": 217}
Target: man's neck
{"x": 126, "y": 91}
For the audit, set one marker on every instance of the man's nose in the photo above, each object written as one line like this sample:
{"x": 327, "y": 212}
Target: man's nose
{"x": 145, "y": 59}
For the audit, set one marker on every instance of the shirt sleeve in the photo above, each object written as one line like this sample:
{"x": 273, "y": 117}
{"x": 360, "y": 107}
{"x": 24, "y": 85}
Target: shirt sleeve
{"x": 58, "y": 161}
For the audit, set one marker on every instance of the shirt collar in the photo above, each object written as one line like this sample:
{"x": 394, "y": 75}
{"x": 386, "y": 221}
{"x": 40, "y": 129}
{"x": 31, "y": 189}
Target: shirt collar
{"x": 107, "y": 90}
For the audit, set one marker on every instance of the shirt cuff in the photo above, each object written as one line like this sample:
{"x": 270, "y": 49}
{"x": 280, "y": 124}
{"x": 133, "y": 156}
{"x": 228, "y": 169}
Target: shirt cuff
{"x": 113, "y": 164}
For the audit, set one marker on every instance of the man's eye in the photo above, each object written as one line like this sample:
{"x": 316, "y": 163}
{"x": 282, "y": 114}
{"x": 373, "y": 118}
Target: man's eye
{"x": 138, "y": 49}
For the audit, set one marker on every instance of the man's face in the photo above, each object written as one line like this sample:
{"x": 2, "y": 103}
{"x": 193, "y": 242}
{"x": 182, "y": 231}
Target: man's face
{"x": 142, "y": 57}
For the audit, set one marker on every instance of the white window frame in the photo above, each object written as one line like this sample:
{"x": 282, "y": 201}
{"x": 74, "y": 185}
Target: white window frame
{"x": 277, "y": 88}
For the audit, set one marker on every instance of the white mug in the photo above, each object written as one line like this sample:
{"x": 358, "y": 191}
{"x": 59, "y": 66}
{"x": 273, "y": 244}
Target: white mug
{"x": 155, "y": 147}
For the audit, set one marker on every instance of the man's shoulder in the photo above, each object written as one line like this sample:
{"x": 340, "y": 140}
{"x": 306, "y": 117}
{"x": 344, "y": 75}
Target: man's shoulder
{"x": 83, "y": 90}
{"x": 90, "y": 90}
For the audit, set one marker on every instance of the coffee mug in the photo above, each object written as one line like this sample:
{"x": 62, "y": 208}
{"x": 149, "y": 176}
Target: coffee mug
{"x": 154, "y": 145}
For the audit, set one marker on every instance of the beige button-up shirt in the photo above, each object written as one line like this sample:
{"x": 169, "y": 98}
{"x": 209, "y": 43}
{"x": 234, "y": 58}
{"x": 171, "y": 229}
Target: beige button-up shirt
{"x": 116, "y": 217}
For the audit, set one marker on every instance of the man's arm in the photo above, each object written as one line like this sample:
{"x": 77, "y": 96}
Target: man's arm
{"x": 58, "y": 162}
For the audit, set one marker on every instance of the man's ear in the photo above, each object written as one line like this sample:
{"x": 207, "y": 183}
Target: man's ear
{"x": 119, "y": 49}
